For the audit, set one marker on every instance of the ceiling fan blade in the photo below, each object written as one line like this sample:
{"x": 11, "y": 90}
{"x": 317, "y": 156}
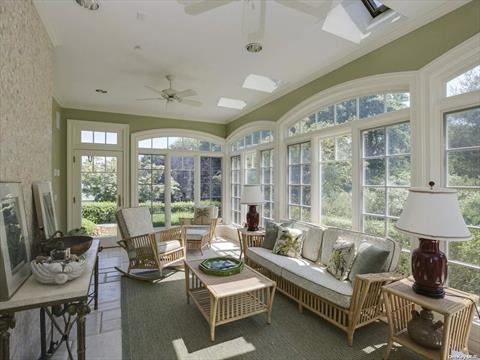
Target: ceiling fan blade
{"x": 146, "y": 99}
{"x": 186, "y": 93}
{"x": 153, "y": 89}
{"x": 318, "y": 11}
{"x": 196, "y": 7}
{"x": 190, "y": 102}
{"x": 253, "y": 20}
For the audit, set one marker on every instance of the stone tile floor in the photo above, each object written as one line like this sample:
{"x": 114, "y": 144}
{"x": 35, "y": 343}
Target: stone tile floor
{"x": 104, "y": 326}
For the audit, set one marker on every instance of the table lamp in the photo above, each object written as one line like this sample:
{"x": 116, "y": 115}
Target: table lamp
{"x": 252, "y": 196}
{"x": 432, "y": 215}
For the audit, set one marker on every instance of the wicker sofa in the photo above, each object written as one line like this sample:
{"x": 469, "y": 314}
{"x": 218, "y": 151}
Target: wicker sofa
{"x": 346, "y": 304}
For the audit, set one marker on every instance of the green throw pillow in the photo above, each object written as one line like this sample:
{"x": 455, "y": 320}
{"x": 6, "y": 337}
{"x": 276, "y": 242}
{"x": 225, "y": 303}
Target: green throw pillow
{"x": 341, "y": 259}
{"x": 271, "y": 234}
{"x": 370, "y": 259}
{"x": 289, "y": 242}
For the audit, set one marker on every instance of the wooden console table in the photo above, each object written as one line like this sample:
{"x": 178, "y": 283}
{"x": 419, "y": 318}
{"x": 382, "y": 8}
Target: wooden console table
{"x": 69, "y": 301}
{"x": 457, "y": 310}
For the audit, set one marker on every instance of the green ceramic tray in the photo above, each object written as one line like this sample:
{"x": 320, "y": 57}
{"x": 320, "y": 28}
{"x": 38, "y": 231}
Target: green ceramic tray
{"x": 221, "y": 266}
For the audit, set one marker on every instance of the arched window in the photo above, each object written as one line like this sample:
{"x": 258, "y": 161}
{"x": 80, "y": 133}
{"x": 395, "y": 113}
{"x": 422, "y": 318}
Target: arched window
{"x": 251, "y": 162}
{"x": 172, "y": 173}
{"x": 347, "y": 152}
{"x": 351, "y": 109}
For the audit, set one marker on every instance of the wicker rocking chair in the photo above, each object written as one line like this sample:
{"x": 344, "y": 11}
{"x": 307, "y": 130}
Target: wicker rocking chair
{"x": 146, "y": 249}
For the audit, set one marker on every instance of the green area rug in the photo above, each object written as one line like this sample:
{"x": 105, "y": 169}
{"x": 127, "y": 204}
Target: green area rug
{"x": 157, "y": 323}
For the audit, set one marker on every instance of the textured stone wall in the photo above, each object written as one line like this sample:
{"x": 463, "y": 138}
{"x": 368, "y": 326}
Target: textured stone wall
{"x": 26, "y": 61}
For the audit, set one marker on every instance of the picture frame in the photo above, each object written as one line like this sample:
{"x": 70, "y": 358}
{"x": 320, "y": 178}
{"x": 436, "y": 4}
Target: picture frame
{"x": 14, "y": 241}
{"x": 45, "y": 208}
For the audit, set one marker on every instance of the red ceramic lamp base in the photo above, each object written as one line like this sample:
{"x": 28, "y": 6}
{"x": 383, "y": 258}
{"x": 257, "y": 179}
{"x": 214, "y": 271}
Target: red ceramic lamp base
{"x": 429, "y": 269}
{"x": 253, "y": 218}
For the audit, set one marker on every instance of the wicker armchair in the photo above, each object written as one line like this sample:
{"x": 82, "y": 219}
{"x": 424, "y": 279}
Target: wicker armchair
{"x": 147, "y": 249}
{"x": 200, "y": 229}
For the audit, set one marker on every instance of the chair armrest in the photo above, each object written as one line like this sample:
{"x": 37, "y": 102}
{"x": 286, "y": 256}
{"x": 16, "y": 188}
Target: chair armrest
{"x": 367, "y": 291}
{"x": 122, "y": 244}
{"x": 174, "y": 233}
{"x": 379, "y": 277}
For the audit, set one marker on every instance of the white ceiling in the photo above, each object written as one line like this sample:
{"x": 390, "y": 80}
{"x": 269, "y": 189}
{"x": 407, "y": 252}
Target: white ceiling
{"x": 205, "y": 52}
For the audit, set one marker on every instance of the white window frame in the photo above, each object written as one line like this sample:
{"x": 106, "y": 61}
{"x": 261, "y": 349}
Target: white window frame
{"x": 74, "y": 127}
{"x": 272, "y": 184}
{"x": 434, "y": 79}
{"x": 318, "y": 192}
{"x": 234, "y": 137}
{"x": 141, "y": 135}
{"x": 361, "y": 87}
{"x": 300, "y": 205}
{"x": 240, "y": 184}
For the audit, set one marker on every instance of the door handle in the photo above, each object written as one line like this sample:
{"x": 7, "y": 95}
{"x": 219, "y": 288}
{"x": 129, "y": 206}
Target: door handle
{"x": 119, "y": 200}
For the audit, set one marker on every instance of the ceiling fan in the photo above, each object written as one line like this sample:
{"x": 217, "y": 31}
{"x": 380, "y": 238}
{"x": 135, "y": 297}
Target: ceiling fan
{"x": 172, "y": 95}
{"x": 253, "y": 19}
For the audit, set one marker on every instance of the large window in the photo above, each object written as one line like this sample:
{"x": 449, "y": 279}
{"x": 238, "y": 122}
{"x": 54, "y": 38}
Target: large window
{"x": 336, "y": 181}
{"x": 253, "y": 139}
{"x": 345, "y": 111}
{"x": 175, "y": 174}
{"x": 211, "y": 182}
{"x": 462, "y": 149}
{"x": 252, "y": 164}
{"x": 179, "y": 143}
{"x": 299, "y": 180}
{"x": 266, "y": 165}
{"x": 236, "y": 214}
{"x": 151, "y": 186}
{"x": 386, "y": 179}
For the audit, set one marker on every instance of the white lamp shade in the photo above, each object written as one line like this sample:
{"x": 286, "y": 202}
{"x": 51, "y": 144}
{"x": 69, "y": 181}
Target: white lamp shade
{"x": 433, "y": 214}
{"x": 251, "y": 195}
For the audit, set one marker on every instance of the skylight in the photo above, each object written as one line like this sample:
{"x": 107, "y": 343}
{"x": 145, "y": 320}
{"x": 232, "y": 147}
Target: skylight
{"x": 261, "y": 83}
{"x": 375, "y": 7}
{"x": 231, "y": 103}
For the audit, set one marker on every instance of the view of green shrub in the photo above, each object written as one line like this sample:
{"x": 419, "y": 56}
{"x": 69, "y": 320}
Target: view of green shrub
{"x": 89, "y": 226}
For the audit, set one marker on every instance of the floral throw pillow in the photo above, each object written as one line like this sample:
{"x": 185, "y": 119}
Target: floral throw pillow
{"x": 289, "y": 242}
{"x": 341, "y": 259}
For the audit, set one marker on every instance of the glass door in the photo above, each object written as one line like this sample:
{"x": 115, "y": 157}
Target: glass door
{"x": 182, "y": 188}
{"x": 97, "y": 192}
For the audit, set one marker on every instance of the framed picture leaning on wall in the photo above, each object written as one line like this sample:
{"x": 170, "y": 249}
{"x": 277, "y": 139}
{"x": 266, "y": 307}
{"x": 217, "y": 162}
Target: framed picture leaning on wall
{"x": 14, "y": 241}
{"x": 44, "y": 207}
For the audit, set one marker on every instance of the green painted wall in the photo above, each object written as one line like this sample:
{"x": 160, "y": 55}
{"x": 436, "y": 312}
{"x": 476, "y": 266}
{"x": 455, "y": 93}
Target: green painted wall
{"x": 136, "y": 123}
{"x": 410, "y": 52}
{"x": 139, "y": 123}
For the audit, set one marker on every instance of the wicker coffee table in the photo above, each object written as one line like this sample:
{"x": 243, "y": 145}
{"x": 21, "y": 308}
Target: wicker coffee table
{"x": 223, "y": 299}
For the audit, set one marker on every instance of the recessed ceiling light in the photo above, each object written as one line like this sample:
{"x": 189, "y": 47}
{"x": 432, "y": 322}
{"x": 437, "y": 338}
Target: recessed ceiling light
{"x": 101, "y": 91}
{"x": 254, "y": 47}
{"x": 261, "y": 83}
{"x": 88, "y": 4}
{"x": 231, "y": 103}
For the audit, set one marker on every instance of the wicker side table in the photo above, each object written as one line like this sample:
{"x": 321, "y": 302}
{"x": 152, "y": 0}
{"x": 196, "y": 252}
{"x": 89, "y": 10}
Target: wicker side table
{"x": 457, "y": 310}
{"x": 249, "y": 239}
